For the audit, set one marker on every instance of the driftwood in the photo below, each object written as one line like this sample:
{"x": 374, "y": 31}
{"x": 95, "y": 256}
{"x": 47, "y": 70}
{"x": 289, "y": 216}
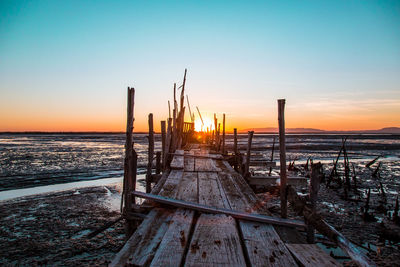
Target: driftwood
{"x": 372, "y": 162}
{"x": 299, "y": 205}
{"x": 333, "y": 171}
{"x": 208, "y": 209}
{"x": 104, "y": 227}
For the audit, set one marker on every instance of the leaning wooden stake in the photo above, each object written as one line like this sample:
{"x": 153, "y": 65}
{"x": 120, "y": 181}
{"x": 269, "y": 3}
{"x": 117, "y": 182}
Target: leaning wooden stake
{"x": 130, "y": 165}
{"x": 299, "y": 205}
{"x": 282, "y": 150}
{"x": 223, "y": 134}
{"x": 150, "y": 154}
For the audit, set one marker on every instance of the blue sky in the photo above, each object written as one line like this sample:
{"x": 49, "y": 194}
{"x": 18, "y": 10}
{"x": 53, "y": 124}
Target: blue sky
{"x": 65, "y": 65}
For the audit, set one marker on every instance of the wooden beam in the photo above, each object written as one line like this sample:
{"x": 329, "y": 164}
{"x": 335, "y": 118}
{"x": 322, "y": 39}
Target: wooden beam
{"x": 208, "y": 209}
{"x": 282, "y": 150}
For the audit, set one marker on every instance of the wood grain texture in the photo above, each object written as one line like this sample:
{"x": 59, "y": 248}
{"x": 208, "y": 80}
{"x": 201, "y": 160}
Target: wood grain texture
{"x": 141, "y": 246}
{"x": 215, "y": 242}
{"x": 177, "y": 162}
{"x": 310, "y": 255}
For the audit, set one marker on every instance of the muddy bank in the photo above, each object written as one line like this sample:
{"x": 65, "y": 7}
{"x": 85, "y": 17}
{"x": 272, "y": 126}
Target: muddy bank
{"x": 346, "y": 215}
{"x": 51, "y": 229}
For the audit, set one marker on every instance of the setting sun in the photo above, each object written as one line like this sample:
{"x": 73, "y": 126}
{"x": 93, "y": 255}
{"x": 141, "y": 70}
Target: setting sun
{"x": 200, "y": 127}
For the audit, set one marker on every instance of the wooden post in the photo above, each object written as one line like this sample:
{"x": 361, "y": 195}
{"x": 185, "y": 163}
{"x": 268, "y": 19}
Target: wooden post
{"x": 150, "y": 154}
{"x": 249, "y": 140}
{"x": 282, "y": 150}
{"x": 130, "y": 165}
{"x": 223, "y": 134}
{"x": 167, "y": 144}
{"x": 235, "y": 148}
{"x": 272, "y": 156}
{"x": 163, "y": 136}
{"x": 314, "y": 188}
{"x": 158, "y": 162}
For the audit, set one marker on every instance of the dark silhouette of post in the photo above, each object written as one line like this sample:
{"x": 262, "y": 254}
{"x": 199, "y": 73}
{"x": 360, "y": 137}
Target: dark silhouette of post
{"x": 130, "y": 165}
{"x": 282, "y": 150}
{"x": 248, "y": 155}
{"x": 150, "y": 154}
{"x": 163, "y": 136}
{"x": 223, "y": 134}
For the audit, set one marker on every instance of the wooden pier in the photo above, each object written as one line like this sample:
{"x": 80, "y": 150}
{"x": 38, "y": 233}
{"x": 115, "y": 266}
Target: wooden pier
{"x": 202, "y": 210}
{"x": 177, "y": 237}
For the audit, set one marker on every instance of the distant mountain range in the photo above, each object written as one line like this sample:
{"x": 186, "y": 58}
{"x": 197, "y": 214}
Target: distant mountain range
{"x": 387, "y": 130}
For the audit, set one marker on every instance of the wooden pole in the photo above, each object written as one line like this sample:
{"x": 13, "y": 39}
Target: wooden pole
{"x": 167, "y": 144}
{"x": 130, "y": 164}
{"x": 190, "y": 111}
{"x": 223, "y": 134}
{"x": 163, "y": 136}
{"x": 282, "y": 150}
{"x": 249, "y": 140}
{"x": 314, "y": 188}
{"x": 272, "y": 156}
{"x": 158, "y": 162}
{"x": 150, "y": 154}
{"x": 235, "y": 149}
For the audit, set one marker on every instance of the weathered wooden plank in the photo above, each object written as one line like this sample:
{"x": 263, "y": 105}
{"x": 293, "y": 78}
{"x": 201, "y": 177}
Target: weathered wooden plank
{"x": 170, "y": 186}
{"x": 264, "y": 246}
{"x": 310, "y": 255}
{"x": 208, "y": 209}
{"x": 188, "y": 187}
{"x": 172, "y": 247}
{"x": 189, "y": 161}
{"x": 215, "y": 242}
{"x": 209, "y": 190}
{"x": 177, "y": 162}
{"x": 141, "y": 246}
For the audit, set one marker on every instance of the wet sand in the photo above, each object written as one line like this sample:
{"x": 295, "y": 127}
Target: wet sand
{"x": 50, "y": 229}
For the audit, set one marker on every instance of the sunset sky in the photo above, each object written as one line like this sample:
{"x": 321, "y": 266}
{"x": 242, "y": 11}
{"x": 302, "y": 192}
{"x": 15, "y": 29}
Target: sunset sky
{"x": 66, "y": 65}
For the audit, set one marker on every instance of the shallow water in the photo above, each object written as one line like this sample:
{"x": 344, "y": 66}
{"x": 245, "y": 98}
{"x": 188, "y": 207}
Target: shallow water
{"x": 36, "y": 160}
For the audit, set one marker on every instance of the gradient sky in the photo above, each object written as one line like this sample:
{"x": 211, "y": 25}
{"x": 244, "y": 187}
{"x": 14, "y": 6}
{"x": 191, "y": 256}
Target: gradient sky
{"x": 65, "y": 65}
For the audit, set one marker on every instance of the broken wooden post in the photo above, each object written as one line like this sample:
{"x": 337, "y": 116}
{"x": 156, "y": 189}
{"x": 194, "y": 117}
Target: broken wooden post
{"x": 282, "y": 150}
{"x": 167, "y": 144}
{"x": 158, "y": 162}
{"x": 150, "y": 154}
{"x": 223, "y": 134}
{"x": 235, "y": 148}
{"x": 130, "y": 165}
{"x": 163, "y": 136}
{"x": 248, "y": 153}
{"x": 314, "y": 188}
{"x": 272, "y": 156}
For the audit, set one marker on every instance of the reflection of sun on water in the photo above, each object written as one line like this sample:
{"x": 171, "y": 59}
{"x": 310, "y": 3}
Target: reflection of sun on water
{"x": 198, "y": 126}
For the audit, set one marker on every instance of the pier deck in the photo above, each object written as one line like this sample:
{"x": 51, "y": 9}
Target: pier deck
{"x": 178, "y": 237}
